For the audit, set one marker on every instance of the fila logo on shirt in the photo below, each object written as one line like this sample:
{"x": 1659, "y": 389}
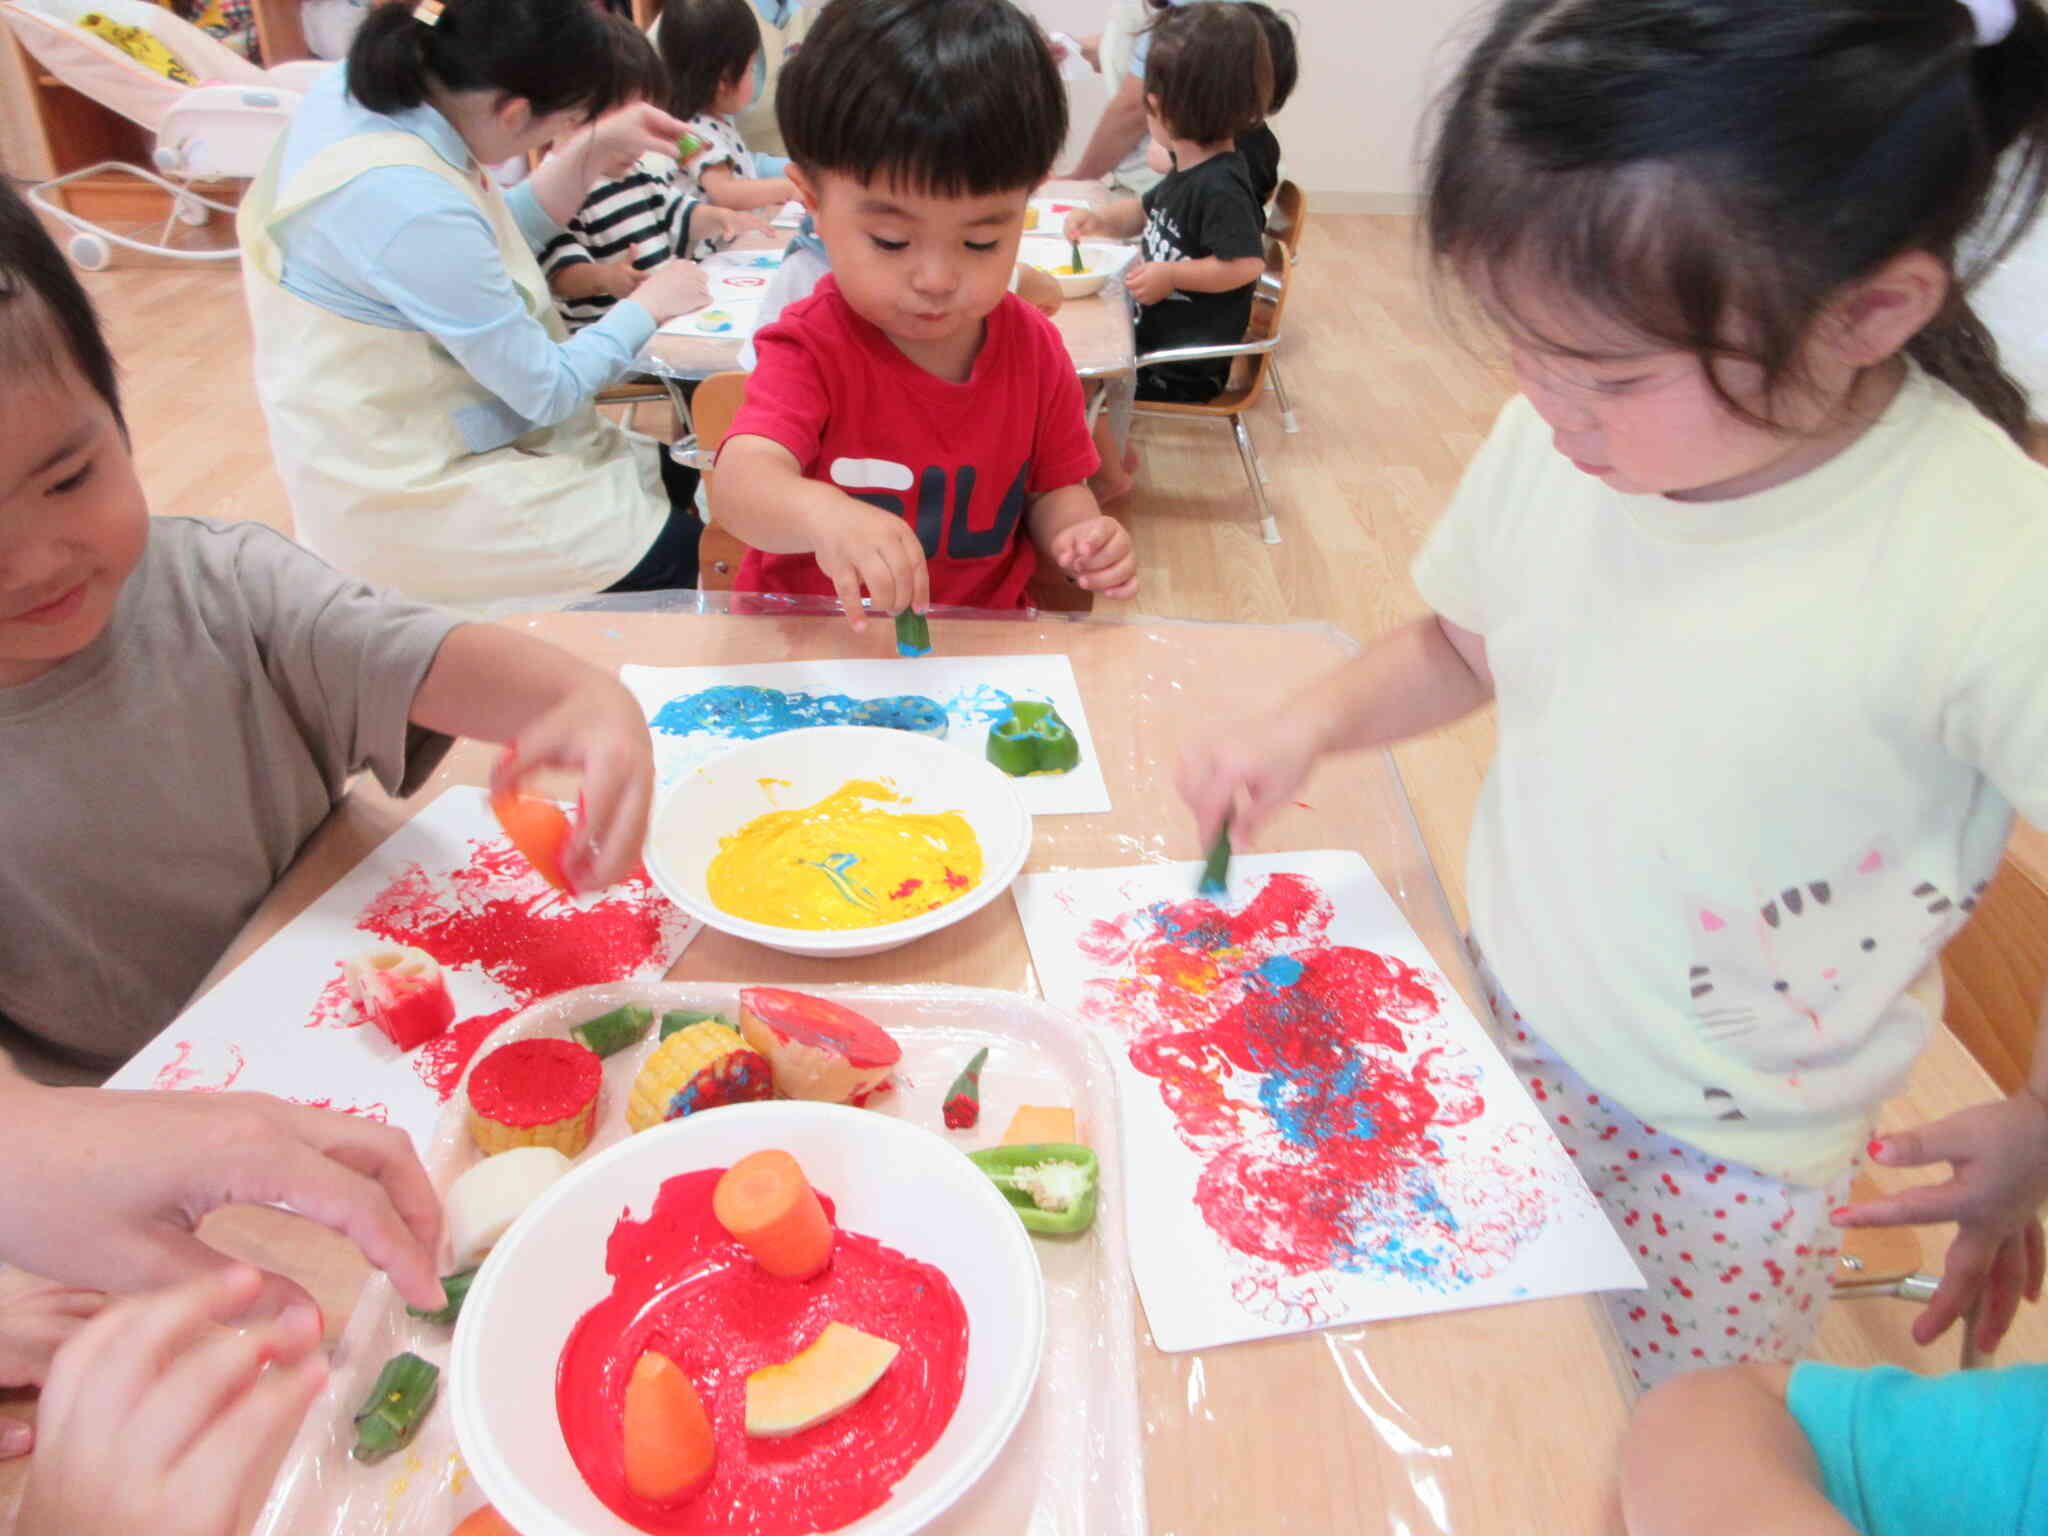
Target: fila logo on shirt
{"x": 926, "y": 511}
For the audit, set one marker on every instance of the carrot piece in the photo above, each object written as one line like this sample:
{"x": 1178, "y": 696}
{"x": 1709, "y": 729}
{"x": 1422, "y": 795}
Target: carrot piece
{"x": 485, "y": 1522}
{"x": 539, "y": 830}
{"x": 766, "y": 1202}
{"x": 670, "y": 1451}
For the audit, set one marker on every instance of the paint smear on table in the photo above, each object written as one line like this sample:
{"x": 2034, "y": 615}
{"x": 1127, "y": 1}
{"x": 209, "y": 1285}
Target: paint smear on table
{"x": 849, "y": 861}
{"x": 446, "y": 882}
{"x": 1317, "y": 1131}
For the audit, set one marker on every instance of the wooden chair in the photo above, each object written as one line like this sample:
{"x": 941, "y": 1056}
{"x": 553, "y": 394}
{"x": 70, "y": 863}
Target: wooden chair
{"x": 1287, "y": 225}
{"x": 1248, "y": 375}
{"x": 718, "y": 400}
{"x": 634, "y": 392}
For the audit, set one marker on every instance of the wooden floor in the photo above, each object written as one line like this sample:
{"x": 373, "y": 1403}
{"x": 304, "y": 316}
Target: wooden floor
{"x": 1389, "y": 410}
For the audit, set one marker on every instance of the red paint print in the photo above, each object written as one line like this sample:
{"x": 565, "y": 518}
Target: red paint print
{"x": 440, "y": 1062}
{"x": 381, "y": 1113}
{"x": 1312, "y": 1082}
{"x": 180, "y": 1073}
{"x": 906, "y": 888}
{"x": 333, "y": 1008}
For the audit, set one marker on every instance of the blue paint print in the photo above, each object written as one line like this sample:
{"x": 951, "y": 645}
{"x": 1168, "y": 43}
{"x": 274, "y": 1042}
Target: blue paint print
{"x": 744, "y": 712}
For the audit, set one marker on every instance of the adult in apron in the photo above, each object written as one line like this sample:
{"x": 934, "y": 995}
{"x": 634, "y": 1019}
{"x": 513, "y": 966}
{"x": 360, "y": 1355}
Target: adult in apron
{"x": 367, "y": 421}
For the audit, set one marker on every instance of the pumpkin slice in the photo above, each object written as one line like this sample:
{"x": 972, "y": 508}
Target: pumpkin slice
{"x": 828, "y": 1378}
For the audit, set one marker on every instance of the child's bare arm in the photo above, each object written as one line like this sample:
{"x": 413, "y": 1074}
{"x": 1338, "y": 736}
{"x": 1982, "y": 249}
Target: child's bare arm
{"x": 1038, "y": 289}
{"x": 728, "y": 189}
{"x": 1411, "y": 680}
{"x": 763, "y": 499}
{"x": 594, "y": 279}
{"x": 1118, "y": 219}
{"x": 1714, "y": 1451}
{"x": 550, "y": 710}
{"x": 1085, "y": 542}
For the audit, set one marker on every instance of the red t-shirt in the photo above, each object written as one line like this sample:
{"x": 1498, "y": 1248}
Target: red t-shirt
{"x": 960, "y": 462}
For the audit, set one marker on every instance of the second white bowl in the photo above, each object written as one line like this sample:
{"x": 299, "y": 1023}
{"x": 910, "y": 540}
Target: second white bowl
{"x": 803, "y": 767}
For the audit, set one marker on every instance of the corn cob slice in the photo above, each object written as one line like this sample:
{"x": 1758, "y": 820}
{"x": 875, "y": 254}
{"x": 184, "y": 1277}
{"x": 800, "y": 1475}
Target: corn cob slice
{"x": 535, "y": 1093}
{"x": 700, "y": 1067}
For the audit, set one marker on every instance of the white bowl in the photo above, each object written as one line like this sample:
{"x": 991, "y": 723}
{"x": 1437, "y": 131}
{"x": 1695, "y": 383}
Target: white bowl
{"x": 1102, "y": 260}
{"x": 893, "y": 1181}
{"x": 719, "y": 797}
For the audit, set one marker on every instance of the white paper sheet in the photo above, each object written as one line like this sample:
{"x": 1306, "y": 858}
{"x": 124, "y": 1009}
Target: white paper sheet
{"x": 738, "y": 282}
{"x": 447, "y": 882}
{"x": 973, "y": 690}
{"x": 1316, "y": 1130}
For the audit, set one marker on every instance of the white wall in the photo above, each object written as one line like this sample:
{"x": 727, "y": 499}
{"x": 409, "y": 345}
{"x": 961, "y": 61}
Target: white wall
{"x": 1368, "y": 70}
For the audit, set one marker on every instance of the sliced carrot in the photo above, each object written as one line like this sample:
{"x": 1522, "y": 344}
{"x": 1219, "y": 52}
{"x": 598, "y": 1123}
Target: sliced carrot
{"x": 539, "y": 830}
{"x": 485, "y": 1522}
{"x": 670, "y": 1451}
{"x": 766, "y": 1202}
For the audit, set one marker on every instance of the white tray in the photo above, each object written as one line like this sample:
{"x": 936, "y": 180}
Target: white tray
{"x": 1075, "y": 1465}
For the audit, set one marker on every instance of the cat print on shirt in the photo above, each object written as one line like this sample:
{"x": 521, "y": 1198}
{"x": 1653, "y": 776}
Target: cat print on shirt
{"x": 1772, "y": 984}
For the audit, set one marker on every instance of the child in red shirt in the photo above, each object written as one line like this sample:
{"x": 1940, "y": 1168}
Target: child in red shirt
{"x": 911, "y": 418}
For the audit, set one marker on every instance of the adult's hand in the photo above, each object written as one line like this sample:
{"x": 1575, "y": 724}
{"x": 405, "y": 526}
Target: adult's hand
{"x": 673, "y": 288}
{"x": 120, "y": 1180}
{"x": 604, "y": 151}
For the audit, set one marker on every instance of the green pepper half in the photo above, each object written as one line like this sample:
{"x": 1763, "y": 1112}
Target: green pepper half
{"x": 456, "y": 1288}
{"x": 1052, "y": 1185}
{"x": 1030, "y": 737}
{"x": 391, "y": 1414}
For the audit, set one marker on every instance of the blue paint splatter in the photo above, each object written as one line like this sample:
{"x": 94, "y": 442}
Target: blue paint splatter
{"x": 745, "y": 712}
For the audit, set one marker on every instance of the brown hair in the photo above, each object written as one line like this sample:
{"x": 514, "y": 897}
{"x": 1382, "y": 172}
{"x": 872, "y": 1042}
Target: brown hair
{"x": 1711, "y": 174}
{"x": 1211, "y": 69}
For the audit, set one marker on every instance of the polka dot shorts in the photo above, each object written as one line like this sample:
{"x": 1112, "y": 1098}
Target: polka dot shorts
{"x": 1738, "y": 1262}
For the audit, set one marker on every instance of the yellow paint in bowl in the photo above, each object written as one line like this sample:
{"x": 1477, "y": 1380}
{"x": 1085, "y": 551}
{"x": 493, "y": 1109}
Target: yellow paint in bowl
{"x": 847, "y": 862}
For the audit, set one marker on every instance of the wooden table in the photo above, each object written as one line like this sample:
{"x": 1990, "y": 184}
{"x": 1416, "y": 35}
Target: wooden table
{"x": 1495, "y": 1420}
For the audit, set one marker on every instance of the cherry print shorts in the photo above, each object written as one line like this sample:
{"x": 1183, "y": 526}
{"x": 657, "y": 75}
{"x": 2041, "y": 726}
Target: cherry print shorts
{"x": 1738, "y": 1262}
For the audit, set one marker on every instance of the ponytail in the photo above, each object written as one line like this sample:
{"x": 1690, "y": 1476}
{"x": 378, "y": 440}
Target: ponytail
{"x": 556, "y": 55}
{"x": 2009, "y": 86}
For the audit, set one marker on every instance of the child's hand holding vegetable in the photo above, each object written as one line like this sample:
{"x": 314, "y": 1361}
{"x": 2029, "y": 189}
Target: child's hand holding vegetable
{"x": 33, "y": 1326}
{"x": 157, "y": 1419}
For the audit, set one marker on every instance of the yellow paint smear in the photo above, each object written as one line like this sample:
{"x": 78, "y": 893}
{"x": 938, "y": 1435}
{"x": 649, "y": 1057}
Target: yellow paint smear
{"x": 847, "y": 862}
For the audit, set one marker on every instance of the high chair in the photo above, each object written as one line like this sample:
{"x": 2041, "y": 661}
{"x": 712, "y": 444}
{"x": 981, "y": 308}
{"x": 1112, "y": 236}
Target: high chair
{"x": 220, "y": 129}
{"x": 1247, "y": 377}
{"x": 717, "y": 402}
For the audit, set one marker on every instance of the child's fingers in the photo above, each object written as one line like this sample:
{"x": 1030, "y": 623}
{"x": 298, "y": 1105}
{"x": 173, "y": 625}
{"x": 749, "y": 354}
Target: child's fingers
{"x": 1206, "y": 788}
{"x": 2037, "y": 1261}
{"x": 119, "y": 1353}
{"x": 846, "y": 582}
{"x": 17, "y": 1437}
{"x": 236, "y": 1457}
{"x": 617, "y": 792}
{"x": 1969, "y": 1261}
{"x": 207, "y": 1379}
{"x": 1924, "y": 1204}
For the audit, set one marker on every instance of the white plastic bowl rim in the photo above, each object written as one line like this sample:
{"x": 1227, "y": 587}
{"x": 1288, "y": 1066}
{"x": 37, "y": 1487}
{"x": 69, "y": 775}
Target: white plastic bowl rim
{"x": 995, "y": 1270}
{"x": 1004, "y": 829}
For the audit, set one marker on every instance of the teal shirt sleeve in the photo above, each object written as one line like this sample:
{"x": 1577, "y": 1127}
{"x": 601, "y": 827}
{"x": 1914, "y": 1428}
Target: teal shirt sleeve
{"x": 1901, "y": 1455}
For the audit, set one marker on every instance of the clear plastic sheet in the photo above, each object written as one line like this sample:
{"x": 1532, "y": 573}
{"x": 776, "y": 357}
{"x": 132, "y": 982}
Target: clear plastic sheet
{"x": 1500, "y": 1419}
{"x": 1074, "y": 1464}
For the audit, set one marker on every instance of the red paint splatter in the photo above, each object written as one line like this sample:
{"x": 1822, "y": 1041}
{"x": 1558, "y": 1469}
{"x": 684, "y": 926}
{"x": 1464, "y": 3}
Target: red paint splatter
{"x": 440, "y": 1061}
{"x": 179, "y": 1073}
{"x": 380, "y": 1113}
{"x": 334, "y": 1008}
{"x": 957, "y": 882}
{"x": 498, "y": 914}
{"x": 1311, "y": 1082}
{"x": 905, "y": 889}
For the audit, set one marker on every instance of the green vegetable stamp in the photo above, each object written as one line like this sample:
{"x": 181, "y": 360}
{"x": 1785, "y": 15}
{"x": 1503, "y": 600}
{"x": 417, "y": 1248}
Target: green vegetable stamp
{"x": 391, "y": 1414}
{"x": 614, "y": 1031}
{"x": 1051, "y": 1185}
{"x": 1031, "y": 738}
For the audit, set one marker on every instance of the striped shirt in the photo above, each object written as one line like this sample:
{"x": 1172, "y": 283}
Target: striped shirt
{"x": 643, "y": 216}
